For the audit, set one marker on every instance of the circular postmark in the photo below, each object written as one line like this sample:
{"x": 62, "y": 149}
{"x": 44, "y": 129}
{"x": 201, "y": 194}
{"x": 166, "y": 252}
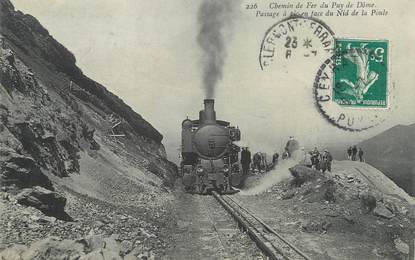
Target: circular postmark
{"x": 351, "y": 115}
{"x": 296, "y": 37}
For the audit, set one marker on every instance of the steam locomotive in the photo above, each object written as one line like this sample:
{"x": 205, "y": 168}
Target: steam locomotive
{"x": 209, "y": 155}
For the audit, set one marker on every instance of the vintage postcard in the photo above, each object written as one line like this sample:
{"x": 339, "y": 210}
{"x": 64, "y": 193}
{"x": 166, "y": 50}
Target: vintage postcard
{"x": 207, "y": 129}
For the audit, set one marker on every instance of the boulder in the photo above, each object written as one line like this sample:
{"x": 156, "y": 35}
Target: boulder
{"x": 93, "y": 242}
{"x": 330, "y": 189}
{"x": 303, "y": 174}
{"x": 7, "y": 55}
{"x": 367, "y": 201}
{"x": 49, "y": 202}
{"x": 401, "y": 246}
{"x": 316, "y": 226}
{"x": 349, "y": 219}
{"x": 54, "y": 248}
{"x": 108, "y": 254}
{"x": 94, "y": 255}
{"x": 130, "y": 257}
{"x": 383, "y": 212}
{"x": 126, "y": 247}
{"x": 13, "y": 253}
{"x": 89, "y": 248}
{"x": 111, "y": 246}
{"x": 288, "y": 195}
{"x": 348, "y": 216}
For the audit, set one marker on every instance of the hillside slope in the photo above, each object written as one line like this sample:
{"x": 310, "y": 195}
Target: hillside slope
{"x": 71, "y": 149}
{"x": 373, "y": 179}
{"x": 393, "y": 152}
{"x": 52, "y": 112}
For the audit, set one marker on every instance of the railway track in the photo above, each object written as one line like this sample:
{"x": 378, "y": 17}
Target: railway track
{"x": 267, "y": 239}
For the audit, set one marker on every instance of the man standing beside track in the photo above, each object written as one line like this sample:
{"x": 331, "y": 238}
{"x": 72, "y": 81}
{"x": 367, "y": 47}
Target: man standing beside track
{"x": 275, "y": 159}
{"x": 245, "y": 160}
{"x": 354, "y": 153}
{"x": 257, "y": 162}
{"x": 349, "y": 153}
{"x": 360, "y": 153}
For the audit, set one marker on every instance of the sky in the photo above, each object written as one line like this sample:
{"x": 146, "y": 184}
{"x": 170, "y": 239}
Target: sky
{"x": 146, "y": 52}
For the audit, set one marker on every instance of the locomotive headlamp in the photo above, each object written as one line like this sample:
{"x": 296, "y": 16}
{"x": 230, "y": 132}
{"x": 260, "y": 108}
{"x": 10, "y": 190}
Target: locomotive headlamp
{"x": 225, "y": 168}
{"x": 199, "y": 169}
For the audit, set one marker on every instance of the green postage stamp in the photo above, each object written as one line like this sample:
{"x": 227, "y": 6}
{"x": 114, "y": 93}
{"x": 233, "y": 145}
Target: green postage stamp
{"x": 361, "y": 73}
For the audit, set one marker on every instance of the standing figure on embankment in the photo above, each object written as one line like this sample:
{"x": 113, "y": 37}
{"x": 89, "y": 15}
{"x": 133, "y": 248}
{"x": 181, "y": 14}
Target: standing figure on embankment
{"x": 257, "y": 162}
{"x": 315, "y": 159}
{"x": 275, "y": 159}
{"x": 245, "y": 160}
{"x": 349, "y": 153}
{"x": 326, "y": 160}
{"x": 360, "y": 154}
{"x": 354, "y": 153}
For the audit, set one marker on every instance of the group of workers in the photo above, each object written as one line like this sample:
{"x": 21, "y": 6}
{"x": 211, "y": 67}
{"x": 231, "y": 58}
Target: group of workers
{"x": 316, "y": 160}
{"x": 320, "y": 161}
{"x": 353, "y": 152}
{"x": 259, "y": 161}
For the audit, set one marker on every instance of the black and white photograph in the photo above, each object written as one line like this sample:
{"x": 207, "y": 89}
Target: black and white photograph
{"x": 207, "y": 129}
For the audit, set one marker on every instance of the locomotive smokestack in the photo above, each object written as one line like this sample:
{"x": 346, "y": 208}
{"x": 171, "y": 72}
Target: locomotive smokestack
{"x": 215, "y": 26}
{"x": 208, "y": 115}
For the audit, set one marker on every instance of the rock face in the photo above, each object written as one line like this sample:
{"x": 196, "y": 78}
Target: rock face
{"x": 20, "y": 170}
{"x": 26, "y": 33}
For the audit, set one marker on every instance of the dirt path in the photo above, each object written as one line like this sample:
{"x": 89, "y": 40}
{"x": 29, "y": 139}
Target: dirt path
{"x": 204, "y": 230}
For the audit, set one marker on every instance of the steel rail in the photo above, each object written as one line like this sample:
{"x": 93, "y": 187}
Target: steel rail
{"x": 254, "y": 233}
{"x": 270, "y": 229}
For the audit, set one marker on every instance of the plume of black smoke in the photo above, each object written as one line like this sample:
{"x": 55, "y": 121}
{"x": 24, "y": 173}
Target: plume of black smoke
{"x": 214, "y": 18}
